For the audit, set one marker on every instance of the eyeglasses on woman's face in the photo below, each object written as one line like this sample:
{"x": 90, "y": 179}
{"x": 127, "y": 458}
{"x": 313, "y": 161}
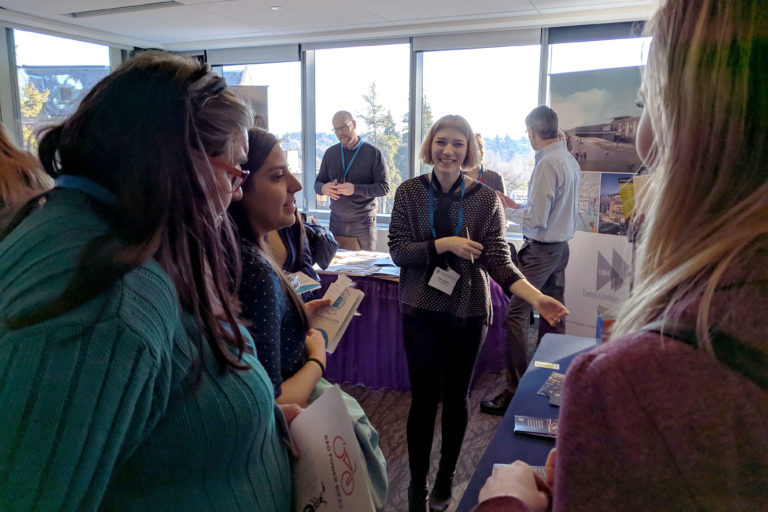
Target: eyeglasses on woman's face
{"x": 236, "y": 173}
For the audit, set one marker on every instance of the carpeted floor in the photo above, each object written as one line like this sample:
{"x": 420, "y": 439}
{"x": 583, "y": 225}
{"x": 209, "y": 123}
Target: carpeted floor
{"x": 388, "y": 411}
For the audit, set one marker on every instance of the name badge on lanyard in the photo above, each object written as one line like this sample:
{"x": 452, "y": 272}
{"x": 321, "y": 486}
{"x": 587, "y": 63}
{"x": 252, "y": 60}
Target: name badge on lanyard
{"x": 445, "y": 279}
{"x": 343, "y": 163}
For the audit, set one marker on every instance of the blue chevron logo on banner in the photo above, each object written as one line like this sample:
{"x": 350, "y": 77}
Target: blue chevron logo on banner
{"x": 614, "y": 272}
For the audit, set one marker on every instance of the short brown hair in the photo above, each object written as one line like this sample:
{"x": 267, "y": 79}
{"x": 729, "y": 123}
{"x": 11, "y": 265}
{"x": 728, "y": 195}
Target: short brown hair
{"x": 451, "y": 121}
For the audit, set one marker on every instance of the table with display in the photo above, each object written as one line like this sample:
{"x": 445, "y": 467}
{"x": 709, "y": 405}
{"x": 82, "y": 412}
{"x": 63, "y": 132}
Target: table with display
{"x": 507, "y": 446}
{"x": 371, "y": 351}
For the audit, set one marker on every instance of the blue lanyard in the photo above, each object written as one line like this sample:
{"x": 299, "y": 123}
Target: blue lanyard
{"x": 480, "y": 174}
{"x": 432, "y": 207}
{"x": 343, "y": 164}
{"x": 90, "y": 187}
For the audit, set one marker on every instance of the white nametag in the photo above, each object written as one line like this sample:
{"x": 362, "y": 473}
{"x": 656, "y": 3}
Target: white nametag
{"x": 444, "y": 280}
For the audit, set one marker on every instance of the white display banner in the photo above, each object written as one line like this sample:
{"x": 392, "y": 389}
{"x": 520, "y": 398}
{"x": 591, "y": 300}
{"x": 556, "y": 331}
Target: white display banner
{"x": 598, "y": 275}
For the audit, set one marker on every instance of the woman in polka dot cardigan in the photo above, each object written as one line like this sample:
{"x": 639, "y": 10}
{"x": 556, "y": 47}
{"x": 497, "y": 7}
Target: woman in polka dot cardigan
{"x": 291, "y": 352}
{"x": 447, "y": 235}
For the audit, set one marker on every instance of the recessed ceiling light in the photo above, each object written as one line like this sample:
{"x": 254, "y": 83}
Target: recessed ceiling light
{"x": 276, "y": 8}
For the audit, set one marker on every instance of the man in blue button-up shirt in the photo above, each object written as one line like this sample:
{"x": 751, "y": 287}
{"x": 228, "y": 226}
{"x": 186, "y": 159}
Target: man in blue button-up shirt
{"x": 548, "y": 221}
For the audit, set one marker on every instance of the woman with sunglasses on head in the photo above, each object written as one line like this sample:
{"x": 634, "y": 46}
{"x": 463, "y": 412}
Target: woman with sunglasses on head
{"x": 125, "y": 382}
{"x": 671, "y": 413}
{"x": 447, "y": 236}
{"x": 292, "y": 353}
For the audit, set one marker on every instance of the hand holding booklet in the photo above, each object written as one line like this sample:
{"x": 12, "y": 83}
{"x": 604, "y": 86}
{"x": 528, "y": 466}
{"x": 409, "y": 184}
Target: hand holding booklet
{"x": 333, "y": 320}
{"x": 331, "y": 474}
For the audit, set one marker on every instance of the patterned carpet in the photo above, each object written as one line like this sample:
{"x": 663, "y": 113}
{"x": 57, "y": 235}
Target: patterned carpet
{"x": 388, "y": 411}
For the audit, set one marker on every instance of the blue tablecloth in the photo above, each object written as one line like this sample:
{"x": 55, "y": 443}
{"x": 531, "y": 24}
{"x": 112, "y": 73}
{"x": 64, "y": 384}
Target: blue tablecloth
{"x": 371, "y": 351}
{"x": 506, "y": 446}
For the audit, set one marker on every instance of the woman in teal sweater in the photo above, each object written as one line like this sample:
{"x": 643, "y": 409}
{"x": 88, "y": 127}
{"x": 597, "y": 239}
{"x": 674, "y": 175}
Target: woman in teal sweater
{"x": 122, "y": 384}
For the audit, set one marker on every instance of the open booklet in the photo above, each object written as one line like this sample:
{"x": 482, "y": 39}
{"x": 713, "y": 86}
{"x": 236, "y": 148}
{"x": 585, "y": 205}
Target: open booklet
{"x": 302, "y": 283}
{"x": 333, "y": 320}
{"x": 331, "y": 474}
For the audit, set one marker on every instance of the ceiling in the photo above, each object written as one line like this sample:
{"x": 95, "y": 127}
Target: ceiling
{"x": 195, "y": 24}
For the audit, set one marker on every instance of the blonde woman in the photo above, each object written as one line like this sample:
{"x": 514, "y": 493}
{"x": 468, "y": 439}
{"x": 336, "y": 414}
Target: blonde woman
{"x": 671, "y": 414}
{"x": 447, "y": 235}
{"x": 21, "y": 178}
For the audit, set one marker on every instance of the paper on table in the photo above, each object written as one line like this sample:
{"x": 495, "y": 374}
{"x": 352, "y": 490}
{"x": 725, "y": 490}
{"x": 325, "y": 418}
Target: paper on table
{"x": 330, "y": 475}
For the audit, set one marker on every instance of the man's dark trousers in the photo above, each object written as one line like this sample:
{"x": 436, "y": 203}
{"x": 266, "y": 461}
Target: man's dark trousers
{"x": 543, "y": 265}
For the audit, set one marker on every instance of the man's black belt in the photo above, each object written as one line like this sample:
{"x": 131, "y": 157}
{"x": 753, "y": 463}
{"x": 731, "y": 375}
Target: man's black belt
{"x": 532, "y": 241}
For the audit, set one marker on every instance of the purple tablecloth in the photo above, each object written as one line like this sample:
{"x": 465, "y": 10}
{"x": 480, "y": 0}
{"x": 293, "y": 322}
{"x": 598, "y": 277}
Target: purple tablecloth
{"x": 371, "y": 351}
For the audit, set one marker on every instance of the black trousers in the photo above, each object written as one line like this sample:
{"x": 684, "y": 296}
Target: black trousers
{"x": 441, "y": 357}
{"x": 543, "y": 265}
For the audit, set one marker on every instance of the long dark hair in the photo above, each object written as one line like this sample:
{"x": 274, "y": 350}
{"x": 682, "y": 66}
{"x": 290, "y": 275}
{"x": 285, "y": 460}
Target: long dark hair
{"x": 139, "y": 133}
{"x": 260, "y": 145}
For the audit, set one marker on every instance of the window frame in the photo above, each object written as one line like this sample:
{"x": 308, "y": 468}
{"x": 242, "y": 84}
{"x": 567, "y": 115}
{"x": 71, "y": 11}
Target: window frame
{"x": 304, "y": 53}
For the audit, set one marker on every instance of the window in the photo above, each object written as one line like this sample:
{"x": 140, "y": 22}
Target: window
{"x": 613, "y": 53}
{"x": 54, "y": 74}
{"x": 282, "y": 83}
{"x": 497, "y": 89}
{"x": 371, "y": 82}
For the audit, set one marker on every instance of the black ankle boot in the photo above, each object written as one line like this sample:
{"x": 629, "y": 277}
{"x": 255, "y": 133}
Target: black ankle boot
{"x": 440, "y": 498}
{"x": 417, "y": 497}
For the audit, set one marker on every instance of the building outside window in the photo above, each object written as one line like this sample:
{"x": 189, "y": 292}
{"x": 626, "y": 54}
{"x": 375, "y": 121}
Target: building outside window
{"x": 54, "y": 74}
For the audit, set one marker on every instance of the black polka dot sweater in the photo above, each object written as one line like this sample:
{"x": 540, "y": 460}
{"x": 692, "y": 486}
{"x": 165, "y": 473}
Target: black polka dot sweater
{"x": 412, "y": 247}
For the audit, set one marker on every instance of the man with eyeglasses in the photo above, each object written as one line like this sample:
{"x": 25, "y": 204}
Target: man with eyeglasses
{"x": 352, "y": 174}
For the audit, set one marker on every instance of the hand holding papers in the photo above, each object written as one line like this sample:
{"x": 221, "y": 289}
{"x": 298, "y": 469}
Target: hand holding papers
{"x": 333, "y": 320}
{"x": 507, "y": 202}
{"x": 331, "y": 475}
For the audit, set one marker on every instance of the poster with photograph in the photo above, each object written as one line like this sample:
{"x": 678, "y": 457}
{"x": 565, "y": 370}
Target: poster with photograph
{"x": 612, "y": 217}
{"x": 589, "y": 202}
{"x": 597, "y": 276}
{"x": 598, "y": 114}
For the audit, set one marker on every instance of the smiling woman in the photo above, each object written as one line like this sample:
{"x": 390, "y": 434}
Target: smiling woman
{"x": 292, "y": 353}
{"x": 447, "y": 235}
